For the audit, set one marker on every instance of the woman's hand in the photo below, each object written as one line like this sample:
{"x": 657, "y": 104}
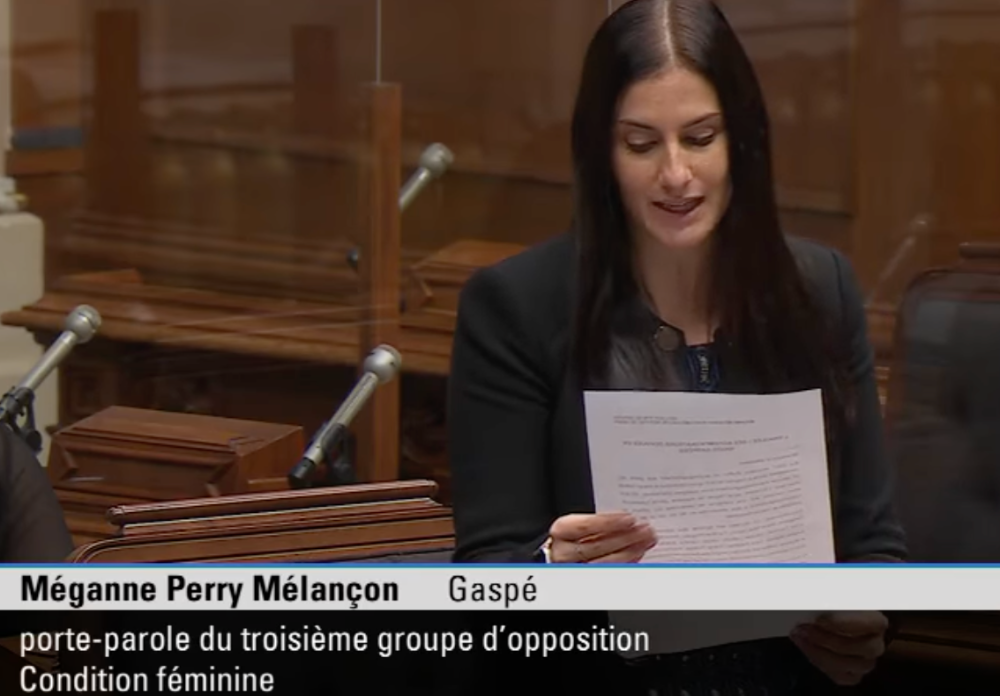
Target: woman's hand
{"x": 843, "y": 645}
{"x": 605, "y": 538}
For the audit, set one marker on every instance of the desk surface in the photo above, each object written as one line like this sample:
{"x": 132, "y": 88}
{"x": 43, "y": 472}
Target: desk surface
{"x": 327, "y": 334}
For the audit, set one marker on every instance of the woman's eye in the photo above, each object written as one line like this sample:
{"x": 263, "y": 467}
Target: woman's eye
{"x": 701, "y": 140}
{"x": 640, "y": 147}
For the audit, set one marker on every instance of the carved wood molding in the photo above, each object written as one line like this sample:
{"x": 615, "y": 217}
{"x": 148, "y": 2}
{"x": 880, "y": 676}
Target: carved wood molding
{"x": 313, "y": 525}
{"x": 131, "y": 453}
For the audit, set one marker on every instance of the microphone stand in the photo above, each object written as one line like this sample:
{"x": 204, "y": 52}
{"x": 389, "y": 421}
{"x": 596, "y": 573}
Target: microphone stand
{"x": 17, "y": 412}
{"x": 334, "y": 445}
{"x": 17, "y": 407}
{"x": 339, "y": 448}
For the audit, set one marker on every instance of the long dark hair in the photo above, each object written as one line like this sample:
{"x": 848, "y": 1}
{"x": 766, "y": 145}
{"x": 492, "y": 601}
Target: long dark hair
{"x": 758, "y": 293}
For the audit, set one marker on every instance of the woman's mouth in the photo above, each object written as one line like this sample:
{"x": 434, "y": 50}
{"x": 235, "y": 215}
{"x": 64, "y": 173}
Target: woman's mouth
{"x": 680, "y": 207}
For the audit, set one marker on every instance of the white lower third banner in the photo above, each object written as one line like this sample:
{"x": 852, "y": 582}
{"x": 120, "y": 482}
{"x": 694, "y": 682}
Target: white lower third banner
{"x": 539, "y": 587}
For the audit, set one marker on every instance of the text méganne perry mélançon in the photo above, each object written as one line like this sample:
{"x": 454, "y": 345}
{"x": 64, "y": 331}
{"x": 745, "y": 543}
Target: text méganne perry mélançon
{"x": 283, "y": 588}
{"x": 271, "y": 588}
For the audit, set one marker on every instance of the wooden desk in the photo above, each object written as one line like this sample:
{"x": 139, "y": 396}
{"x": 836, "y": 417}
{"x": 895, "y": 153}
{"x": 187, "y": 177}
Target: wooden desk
{"x": 344, "y": 523}
{"x": 124, "y": 455}
{"x": 256, "y": 358}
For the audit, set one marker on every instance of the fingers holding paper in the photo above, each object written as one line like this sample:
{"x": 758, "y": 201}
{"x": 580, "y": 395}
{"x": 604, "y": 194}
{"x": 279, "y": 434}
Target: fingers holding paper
{"x": 603, "y": 538}
{"x": 845, "y": 646}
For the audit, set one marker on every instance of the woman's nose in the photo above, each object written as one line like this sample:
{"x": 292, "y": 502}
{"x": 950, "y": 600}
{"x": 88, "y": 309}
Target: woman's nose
{"x": 675, "y": 173}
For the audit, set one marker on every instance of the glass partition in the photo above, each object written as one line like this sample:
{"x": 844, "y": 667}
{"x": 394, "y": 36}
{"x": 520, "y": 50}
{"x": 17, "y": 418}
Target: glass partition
{"x": 237, "y": 135}
{"x": 494, "y": 80}
{"x": 200, "y": 169}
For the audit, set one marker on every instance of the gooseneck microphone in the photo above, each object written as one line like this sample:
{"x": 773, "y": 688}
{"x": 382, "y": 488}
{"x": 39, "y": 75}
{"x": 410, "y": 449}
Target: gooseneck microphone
{"x": 380, "y": 367}
{"x": 434, "y": 162}
{"x": 81, "y": 325}
{"x": 918, "y": 228}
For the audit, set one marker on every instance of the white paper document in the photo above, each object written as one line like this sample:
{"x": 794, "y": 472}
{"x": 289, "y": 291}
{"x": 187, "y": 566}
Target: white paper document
{"x": 722, "y": 478}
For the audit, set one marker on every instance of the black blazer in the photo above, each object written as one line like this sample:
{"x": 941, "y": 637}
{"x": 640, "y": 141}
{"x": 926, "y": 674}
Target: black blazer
{"x": 517, "y": 432}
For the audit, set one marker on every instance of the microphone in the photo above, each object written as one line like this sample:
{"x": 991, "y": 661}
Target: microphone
{"x": 81, "y": 325}
{"x": 918, "y": 228}
{"x": 434, "y": 162}
{"x": 380, "y": 367}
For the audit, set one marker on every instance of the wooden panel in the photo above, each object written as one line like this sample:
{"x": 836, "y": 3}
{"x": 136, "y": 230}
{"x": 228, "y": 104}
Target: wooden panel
{"x": 117, "y": 150}
{"x": 378, "y": 422}
{"x": 144, "y": 454}
{"x": 127, "y": 455}
{"x": 317, "y": 525}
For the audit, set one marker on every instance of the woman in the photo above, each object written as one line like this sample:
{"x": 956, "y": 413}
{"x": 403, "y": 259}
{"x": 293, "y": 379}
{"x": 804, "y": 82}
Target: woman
{"x": 675, "y": 276}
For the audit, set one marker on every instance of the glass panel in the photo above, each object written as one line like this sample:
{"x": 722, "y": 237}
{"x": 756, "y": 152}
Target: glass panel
{"x": 236, "y": 136}
{"x": 207, "y": 170}
{"x": 802, "y": 54}
{"x": 503, "y": 111}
